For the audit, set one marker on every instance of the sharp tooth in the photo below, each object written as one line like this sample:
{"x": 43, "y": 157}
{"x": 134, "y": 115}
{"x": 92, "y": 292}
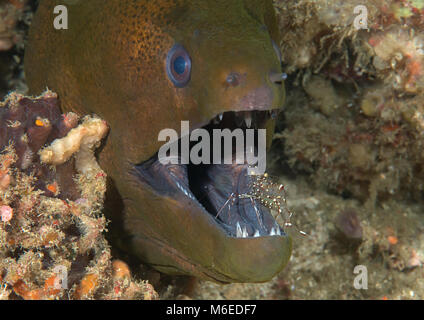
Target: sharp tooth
{"x": 248, "y": 119}
{"x": 256, "y": 234}
{"x": 239, "y": 119}
{"x": 239, "y": 233}
{"x": 272, "y": 233}
{"x": 244, "y": 232}
{"x": 221, "y": 115}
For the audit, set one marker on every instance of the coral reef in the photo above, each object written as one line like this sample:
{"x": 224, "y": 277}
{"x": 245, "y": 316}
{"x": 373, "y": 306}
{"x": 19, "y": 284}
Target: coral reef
{"x": 353, "y": 125}
{"x": 354, "y": 118}
{"x": 52, "y": 243}
{"x": 11, "y": 11}
{"x": 15, "y": 17}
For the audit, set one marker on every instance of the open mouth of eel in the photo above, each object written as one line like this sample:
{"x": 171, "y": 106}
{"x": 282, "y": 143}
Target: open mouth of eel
{"x": 224, "y": 191}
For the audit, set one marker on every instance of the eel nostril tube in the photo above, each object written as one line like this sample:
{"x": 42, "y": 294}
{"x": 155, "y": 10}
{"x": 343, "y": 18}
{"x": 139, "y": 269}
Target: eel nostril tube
{"x": 277, "y": 77}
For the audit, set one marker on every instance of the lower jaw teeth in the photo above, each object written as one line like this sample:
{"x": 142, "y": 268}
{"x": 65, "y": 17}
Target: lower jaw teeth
{"x": 242, "y": 232}
{"x": 239, "y": 233}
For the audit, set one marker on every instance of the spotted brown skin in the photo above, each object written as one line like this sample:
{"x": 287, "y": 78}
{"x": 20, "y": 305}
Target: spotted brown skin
{"x": 112, "y": 62}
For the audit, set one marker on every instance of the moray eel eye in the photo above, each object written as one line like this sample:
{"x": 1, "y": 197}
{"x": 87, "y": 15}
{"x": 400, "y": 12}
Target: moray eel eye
{"x": 178, "y": 66}
{"x": 277, "y": 51}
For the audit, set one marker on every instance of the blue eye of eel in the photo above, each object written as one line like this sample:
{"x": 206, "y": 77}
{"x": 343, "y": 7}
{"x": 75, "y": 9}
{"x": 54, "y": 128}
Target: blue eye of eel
{"x": 178, "y": 66}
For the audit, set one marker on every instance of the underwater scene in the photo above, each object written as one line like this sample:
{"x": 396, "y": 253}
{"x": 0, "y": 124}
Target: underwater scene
{"x": 211, "y": 150}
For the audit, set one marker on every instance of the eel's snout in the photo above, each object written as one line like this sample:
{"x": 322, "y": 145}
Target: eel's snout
{"x": 257, "y": 99}
{"x": 277, "y": 77}
{"x": 243, "y": 86}
{"x": 234, "y": 79}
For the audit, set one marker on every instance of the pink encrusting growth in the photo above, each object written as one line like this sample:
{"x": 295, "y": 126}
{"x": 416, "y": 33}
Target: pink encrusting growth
{"x": 6, "y": 213}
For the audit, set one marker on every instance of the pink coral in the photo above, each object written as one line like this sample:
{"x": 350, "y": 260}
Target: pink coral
{"x": 6, "y": 213}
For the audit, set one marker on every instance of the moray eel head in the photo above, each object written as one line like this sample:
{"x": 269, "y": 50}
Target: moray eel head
{"x": 145, "y": 66}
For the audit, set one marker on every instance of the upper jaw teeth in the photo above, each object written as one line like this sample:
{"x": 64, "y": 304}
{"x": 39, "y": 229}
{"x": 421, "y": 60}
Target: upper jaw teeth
{"x": 248, "y": 119}
{"x": 245, "y": 117}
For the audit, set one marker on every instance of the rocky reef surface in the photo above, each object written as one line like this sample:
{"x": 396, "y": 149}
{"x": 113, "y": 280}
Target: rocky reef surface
{"x": 354, "y": 120}
{"x": 52, "y": 242}
{"x": 348, "y": 149}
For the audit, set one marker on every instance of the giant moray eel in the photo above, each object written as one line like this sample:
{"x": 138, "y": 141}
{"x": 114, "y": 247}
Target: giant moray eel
{"x": 144, "y": 66}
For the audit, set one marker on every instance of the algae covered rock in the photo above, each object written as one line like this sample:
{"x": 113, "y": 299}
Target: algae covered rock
{"x": 11, "y": 12}
{"x": 354, "y": 117}
{"x": 52, "y": 243}
{"x": 15, "y": 17}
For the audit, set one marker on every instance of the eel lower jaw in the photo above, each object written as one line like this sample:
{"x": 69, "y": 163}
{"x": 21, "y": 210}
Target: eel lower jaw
{"x": 221, "y": 192}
